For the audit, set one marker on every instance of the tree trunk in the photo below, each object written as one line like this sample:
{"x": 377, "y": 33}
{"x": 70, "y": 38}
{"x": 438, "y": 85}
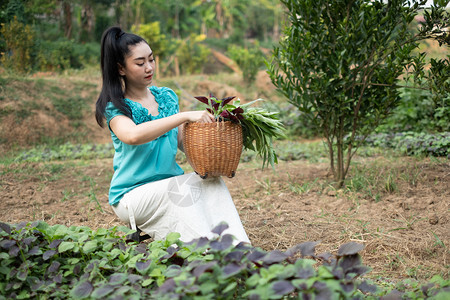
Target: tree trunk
{"x": 126, "y": 18}
{"x": 229, "y": 30}
{"x": 137, "y": 19}
{"x": 340, "y": 166}
{"x": 330, "y": 149}
{"x": 204, "y": 29}
{"x": 87, "y": 22}
{"x": 340, "y": 155}
{"x": 67, "y": 10}
{"x": 176, "y": 29}
{"x": 276, "y": 27}
{"x": 220, "y": 17}
{"x": 177, "y": 67}
{"x": 157, "y": 66}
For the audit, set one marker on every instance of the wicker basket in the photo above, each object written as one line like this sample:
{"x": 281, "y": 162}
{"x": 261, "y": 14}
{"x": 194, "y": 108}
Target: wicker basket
{"x": 213, "y": 149}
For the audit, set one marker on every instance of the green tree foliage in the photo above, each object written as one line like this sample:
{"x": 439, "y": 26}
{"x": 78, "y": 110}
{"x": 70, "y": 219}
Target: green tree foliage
{"x": 64, "y": 54}
{"x": 11, "y": 9}
{"x": 152, "y": 33}
{"x": 264, "y": 18}
{"x": 82, "y": 22}
{"x": 19, "y": 40}
{"x": 439, "y": 83}
{"x": 177, "y": 19}
{"x": 433, "y": 76}
{"x": 249, "y": 60}
{"x": 192, "y": 54}
{"x": 418, "y": 112}
{"x": 340, "y": 64}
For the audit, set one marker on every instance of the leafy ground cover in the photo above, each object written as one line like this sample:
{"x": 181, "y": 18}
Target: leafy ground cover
{"x": 413, "y": 143}
{"x": 56, "y": 261}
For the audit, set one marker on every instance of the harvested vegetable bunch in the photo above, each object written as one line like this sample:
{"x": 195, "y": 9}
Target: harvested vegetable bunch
{"x": 259, "y": 126}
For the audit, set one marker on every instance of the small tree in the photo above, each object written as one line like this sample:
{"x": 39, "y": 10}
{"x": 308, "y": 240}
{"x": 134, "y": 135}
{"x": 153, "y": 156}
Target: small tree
{"x": 341, "y": 63}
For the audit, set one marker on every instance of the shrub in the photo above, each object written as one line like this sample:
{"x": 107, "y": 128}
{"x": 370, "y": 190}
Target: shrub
{"x": 65, "y": 54}
{"x": 249, "y": 60}
{"x": 220, "y": 44}
{"x": 413, "y": 143}
{"x": 417, "y": 112}
{"x": 192, "y": 54}
{"x": 19, "y": 40}
{"x": 86, "y": 54}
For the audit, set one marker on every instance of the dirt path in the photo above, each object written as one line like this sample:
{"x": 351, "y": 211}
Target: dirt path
{"x": 405, "y": 232}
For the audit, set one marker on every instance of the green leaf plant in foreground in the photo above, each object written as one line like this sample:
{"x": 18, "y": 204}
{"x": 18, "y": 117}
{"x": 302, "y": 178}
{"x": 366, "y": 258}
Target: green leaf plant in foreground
{"x": 260, "y": 127}
{"x": 58, "y": 262}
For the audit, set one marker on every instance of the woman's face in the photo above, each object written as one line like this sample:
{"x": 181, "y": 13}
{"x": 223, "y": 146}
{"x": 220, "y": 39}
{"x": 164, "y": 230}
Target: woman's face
{"x": 139, "y": 65}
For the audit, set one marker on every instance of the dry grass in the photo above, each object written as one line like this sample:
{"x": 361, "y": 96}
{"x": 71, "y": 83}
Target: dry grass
{"x": 405, "y": 232}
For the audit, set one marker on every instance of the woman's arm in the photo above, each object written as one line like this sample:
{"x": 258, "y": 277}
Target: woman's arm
{"x": 130, "y": 133}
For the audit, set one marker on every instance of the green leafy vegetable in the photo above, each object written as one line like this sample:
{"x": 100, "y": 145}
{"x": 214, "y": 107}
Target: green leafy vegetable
{"x": 88, "y": 264}
{"x": 260, "y": 127}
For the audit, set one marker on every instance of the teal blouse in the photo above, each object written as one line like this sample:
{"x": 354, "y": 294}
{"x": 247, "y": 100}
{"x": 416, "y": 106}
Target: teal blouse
{"x": 155, "y": 160}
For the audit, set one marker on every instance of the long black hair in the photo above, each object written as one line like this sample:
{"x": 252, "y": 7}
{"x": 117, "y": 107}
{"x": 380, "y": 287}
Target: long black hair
{"x": 115, "y": 47}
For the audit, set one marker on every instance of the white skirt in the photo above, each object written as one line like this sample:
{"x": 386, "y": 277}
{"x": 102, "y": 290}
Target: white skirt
{"x": 185, "y": 204}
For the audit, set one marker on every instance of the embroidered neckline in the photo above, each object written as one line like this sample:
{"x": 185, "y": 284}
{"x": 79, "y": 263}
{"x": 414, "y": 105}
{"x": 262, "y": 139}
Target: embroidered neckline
{"x": 166, "y": 106}
{"x": 139, "y": 105}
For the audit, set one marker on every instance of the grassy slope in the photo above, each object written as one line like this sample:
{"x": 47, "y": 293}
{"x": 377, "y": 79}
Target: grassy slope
{"x": 56, "y": 108}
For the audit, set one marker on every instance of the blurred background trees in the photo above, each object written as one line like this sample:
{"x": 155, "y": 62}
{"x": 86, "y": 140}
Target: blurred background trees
{"x": 55, "y": 35}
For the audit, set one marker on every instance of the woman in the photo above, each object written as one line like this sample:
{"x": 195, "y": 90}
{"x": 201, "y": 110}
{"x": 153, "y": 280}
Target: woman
{"x": 148, "y": 189}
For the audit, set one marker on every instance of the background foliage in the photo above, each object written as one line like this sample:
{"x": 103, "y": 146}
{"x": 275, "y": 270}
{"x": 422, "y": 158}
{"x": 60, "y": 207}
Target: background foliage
{"x": 55, "y": 35}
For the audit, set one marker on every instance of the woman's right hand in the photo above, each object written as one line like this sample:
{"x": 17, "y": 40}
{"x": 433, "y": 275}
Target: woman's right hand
{"x": 201, "y": 116}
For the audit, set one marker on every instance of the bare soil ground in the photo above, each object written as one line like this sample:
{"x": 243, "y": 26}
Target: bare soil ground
{"x": 406, "y": 233}
{"x": 401, "y": 213}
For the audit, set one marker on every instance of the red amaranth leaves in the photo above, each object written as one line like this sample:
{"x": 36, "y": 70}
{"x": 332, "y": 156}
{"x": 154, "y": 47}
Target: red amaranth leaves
{"x": 221, "y": 108}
